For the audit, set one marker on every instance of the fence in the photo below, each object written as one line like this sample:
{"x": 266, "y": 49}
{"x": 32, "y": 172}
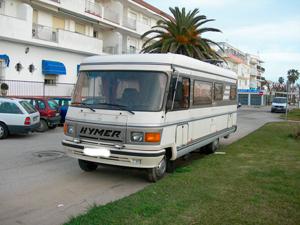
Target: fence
{"x": 19, "y": 88}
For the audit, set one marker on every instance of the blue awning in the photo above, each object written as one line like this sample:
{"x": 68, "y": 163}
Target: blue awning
{"x": 6, "y": 59}
{"x": 53, "y": 68}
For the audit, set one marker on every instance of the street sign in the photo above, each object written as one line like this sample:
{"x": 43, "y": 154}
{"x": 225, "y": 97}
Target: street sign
{"x": 261, "y": 93}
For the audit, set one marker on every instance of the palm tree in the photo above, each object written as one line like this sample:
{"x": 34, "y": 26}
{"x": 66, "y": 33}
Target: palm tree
{"x": 281, "y": 80}
{"x": 293, "y": 76}
{"x": 182, "y": 35}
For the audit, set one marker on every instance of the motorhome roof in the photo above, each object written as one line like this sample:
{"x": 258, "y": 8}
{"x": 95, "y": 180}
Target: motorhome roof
{"x": 159, "y": 59}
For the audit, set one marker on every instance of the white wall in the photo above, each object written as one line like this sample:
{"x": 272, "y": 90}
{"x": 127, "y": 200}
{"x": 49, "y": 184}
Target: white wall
{"x": 16, "y": 53}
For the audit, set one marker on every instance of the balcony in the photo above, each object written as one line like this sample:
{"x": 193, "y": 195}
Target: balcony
{"x": 15, "y": 28}
{"x": 44, "y": 33}
{"x": 129, "y": 23}
{"x": 93, "y": 8}
{"x": 79, "y": 42}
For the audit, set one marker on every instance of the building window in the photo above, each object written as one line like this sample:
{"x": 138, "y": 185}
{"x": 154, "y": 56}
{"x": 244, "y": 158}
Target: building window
{"x": 146, "y": 20}
{"x": 180, "y": 93}
{"x": 202, "y": 93}
{"x": 219, "y": 92}
{"x": 232, "y": 92}
{"x": 95, "y": 34}
{"x": 50, "y": 80}
{"x": 132, "y": 49}
{"x": 79, "y": 28}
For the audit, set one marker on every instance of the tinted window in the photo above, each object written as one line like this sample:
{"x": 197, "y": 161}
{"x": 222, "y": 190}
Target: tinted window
{"x": 279, "y": 100}
{"x": 134, "y": 90}
{"x": 232, "y": 92}
{"x": 202, "y": 93}
{"x": 179, "y": 94}
{"x": 9, "y": 107}
{"x": 52, "y": 104}
{"x": 28, "y": 107}
{"x": 41, "y": 104}
{"x": 219, "y": 91}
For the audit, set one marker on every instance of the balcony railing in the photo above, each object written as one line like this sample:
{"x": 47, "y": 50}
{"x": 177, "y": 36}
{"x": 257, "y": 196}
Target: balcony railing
{"x": 129, "y": 23}
{"x": 93, "y": 8}
{"x": 111, "y": 16}
{"x": 44, "y": 33}
{"x": 111, "y": 50}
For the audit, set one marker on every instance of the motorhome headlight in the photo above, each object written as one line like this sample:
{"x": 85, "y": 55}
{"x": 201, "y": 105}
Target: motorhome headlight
{"x": 68, "y": 129}
{"x": 137, "y": 136}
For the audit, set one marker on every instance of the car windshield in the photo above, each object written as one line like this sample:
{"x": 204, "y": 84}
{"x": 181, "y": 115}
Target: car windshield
{"x": 28, "y": 107}
{"x": 279, "y": 100}
{"x": 127, "y": 90}
{"x": 53, "y": 105}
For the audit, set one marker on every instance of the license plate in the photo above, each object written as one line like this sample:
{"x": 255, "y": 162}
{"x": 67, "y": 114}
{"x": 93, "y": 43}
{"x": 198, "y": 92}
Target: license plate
{"x": 57, "y": 114}
{"x": 35, "y": 118}
{"x": 97, "y": 152}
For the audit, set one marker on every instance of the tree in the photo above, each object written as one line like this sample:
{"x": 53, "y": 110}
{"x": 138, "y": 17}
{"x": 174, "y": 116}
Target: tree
{"x": 281, "y": 80}
{"x": 182, "y": 35}
{"x": 293, "y": 76}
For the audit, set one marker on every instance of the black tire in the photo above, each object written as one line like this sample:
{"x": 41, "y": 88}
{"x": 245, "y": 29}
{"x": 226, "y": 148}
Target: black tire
{"x": 156, "y": 173}
{"x": 212, "y": 147}
{"x": 52, "y": 126}
{"x": 87, "y": 166}
{"x": 170, "y": 166}
{"x": 43, "y": 126}
{"x": 3, "y": 131}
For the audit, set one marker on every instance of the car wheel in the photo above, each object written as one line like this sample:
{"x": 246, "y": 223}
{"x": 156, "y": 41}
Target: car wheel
{"x": 43, "y": 126}
{"x": 87, "y": 166}
{"x": 212, "y": 147}
{"x": 156, "y": 173}
{"x": 3, "y": 131}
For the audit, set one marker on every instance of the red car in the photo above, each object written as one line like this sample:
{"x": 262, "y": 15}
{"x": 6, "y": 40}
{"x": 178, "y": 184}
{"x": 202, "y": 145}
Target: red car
{"x": 49, "y": 112}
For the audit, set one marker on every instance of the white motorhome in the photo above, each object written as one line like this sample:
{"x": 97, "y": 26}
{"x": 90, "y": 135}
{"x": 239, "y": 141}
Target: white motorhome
{"x": 147, "y": 110}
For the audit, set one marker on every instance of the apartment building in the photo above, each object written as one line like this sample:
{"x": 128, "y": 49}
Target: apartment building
{"x": 250, "y": 73}
{"x": 42, "y": 42}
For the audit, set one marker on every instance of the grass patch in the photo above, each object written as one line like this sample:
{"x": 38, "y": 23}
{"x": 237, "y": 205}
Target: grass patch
{"x": 293, "y": 115}
{"x": 257, "y": 182}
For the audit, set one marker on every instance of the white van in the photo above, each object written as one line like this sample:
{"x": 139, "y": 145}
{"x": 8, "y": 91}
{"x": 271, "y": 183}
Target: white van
{"x": 279, "y": 104}
{"x": 147, "y": 110}
{"x": 17, "y": 116}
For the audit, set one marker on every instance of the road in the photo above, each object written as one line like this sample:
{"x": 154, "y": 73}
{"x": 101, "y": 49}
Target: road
{"x": 39, "y": 185}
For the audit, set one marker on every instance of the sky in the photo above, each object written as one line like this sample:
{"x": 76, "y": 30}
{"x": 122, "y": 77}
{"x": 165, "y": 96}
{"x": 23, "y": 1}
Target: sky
{"x": 267, "y": 28}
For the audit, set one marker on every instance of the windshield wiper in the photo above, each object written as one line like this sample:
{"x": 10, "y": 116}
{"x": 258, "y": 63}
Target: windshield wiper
{"x": 87, "y": 105}
{"x": 123, "y": 107}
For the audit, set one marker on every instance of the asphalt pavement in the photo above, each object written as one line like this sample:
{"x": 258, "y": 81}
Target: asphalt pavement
{"x": 39, "y": 185}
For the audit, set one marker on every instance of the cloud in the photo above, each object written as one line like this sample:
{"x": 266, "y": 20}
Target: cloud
{"x": 283, "y": 57}
{"x": 270, "y": 31}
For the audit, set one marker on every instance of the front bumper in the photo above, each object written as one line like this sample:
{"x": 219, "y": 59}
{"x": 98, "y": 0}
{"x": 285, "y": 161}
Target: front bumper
{"x": 54, "y": 120}
{"x": 118, "y": 157}
{"x": 278, "y": 109}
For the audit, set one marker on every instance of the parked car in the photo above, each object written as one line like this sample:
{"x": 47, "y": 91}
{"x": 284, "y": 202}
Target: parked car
{"x": 63, "y": 103}
{"x": 49, "y": 112}
{"x": 279, "y": 104}
{"x": 17, "y": 116}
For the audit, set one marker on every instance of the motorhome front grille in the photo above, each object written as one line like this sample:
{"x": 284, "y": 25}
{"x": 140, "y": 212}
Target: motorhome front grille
{"x": 101, "y": 134}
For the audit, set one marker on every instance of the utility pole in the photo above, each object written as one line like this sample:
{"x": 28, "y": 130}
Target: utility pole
{"x": 287, "y": 99}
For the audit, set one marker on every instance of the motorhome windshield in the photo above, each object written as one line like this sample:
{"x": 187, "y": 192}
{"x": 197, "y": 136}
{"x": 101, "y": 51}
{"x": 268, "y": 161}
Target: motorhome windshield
{"x": 279, "y": 100}
{"x": 127, "y": 90}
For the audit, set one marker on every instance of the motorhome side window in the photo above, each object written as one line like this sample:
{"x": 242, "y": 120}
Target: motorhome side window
{"x": 180, "y": 93}
{"x": 232, "y": 92}
{"x": 219, "y": 91}
{"x": 202, "y": 93}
